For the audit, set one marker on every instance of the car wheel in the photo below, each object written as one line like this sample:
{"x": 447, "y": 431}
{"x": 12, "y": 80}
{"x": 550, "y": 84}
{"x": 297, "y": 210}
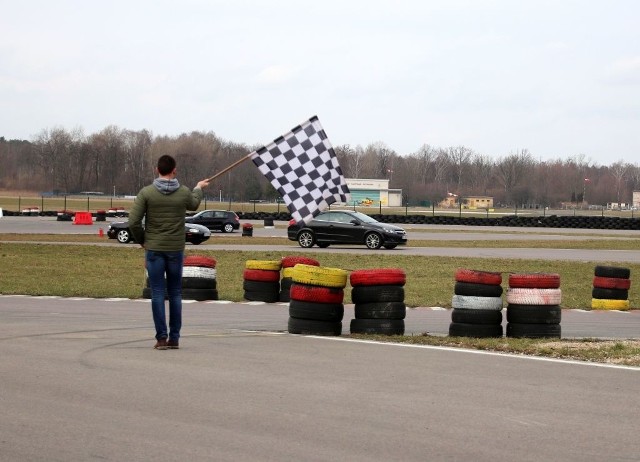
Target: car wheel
{"x": 123, "y": 236}
{"x": 196, "y": 241}
{"x": 390, "y": 246}
{"x": 305, "y": 239}
{"x": 373, "y": 241}
{"x": 228, "y": 228}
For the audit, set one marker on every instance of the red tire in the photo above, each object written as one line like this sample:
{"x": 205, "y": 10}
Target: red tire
{"x": 316, "y": 294}
{"x": 611, "y": 283}
{"x": 291, "y": 261}
{"x": 478, "y": 277}
{"x": 378, "y": 277}
{"x": 199, "y": 260}
{"x": 261, "y": 275}
{"x": 534, "y": 280}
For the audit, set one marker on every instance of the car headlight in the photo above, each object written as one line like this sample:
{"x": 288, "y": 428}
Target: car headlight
{"x": 193, "y": 230}
{"x": 389, "y": 230}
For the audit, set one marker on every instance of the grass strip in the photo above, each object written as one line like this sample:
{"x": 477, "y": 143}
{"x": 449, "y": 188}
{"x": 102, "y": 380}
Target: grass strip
{"x": 586, "y": 244}
{"x": 69, "y": 270}
{"x": 620, "y": 352}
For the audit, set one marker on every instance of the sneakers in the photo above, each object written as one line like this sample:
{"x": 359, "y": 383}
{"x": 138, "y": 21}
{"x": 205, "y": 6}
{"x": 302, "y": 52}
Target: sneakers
{"x": 161, "y": 344}
{"x": 173, "y": 344}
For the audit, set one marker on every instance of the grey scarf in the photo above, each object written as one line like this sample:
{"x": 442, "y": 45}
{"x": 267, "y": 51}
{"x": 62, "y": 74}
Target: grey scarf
{"x": 166, "y": 186}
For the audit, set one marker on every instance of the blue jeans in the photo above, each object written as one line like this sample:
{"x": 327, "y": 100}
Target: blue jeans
{"x": 165, "y": 274}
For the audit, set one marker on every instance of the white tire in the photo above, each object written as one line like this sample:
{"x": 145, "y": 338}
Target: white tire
{"x": 472, "y": 302}
{"x": 522, "y": 296}
{"x": 198, "y": 272}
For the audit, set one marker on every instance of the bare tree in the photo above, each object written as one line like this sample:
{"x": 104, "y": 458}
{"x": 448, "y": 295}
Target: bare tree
{"x": 619, "y": 171}
{"x": 512, "y": 170}
{"x": 459, "y": 157}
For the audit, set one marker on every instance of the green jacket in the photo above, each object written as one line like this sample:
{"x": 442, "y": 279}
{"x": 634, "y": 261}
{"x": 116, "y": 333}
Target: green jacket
{"x": 164, "y": 215}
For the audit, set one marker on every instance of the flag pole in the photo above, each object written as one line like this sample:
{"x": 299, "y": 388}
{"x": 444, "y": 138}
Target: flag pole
{"x": 225, "y": 170}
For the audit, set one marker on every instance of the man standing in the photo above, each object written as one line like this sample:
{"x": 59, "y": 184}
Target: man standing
{"x": 163, "y": 206}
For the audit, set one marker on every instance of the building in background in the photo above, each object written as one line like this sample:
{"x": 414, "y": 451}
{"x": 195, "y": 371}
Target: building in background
{"x": 373, "y": 193}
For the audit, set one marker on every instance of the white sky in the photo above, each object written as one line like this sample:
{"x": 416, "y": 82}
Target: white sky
{"x": 558, "y": 77}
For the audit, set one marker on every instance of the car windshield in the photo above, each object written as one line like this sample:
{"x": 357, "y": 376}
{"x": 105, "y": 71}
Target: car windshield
{"x": 364, "y": 218}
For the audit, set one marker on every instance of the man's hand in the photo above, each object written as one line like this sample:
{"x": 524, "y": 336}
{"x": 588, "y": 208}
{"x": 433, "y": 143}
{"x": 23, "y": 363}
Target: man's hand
{"x": 202, "y": 184}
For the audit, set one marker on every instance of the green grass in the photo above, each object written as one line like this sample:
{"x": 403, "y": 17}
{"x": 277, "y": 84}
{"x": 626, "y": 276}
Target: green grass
{"x": 621, "y": 352}
{"x": 118, "y": 271}
{"x": 221, "y": 239}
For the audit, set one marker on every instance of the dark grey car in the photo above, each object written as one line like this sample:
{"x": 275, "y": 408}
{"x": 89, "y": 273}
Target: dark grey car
{"x": 346, "y": 227}
{"x": 216, "y": 220}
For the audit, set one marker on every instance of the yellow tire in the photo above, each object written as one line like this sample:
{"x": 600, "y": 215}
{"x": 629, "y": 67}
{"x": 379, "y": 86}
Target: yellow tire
{"x": 319, "y": 276}
{"x": 287, "y": 272}
{"x": 607, "y": 304}
{"x": 272, "y": 265}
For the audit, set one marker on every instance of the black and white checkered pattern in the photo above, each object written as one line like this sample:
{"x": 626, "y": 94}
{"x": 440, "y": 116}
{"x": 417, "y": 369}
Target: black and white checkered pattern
{"x": 303, "y": 168}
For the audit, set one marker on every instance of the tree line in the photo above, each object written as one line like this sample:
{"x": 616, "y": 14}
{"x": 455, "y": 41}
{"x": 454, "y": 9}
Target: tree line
{"x": 119, "y": 162}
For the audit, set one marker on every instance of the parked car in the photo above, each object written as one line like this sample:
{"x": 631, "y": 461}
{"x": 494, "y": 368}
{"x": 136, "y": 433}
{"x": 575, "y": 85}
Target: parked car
{"x": 216, "y": 220}
{"x": 346, "y": 227}
{"x": 195, "y": 234}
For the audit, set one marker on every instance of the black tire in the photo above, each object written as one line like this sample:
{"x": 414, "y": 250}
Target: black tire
{"x": 311, "y": 327}
{"x": 196, "y": 241}
{"x": 199, "y": 294}
{"x": 330, "y": 312}
{"x": 227, "y": 228}
{"x": 610, "y": 294}
{"x": 476, "y": 316}
{"x": 459, "y": 329}
{"x": 477, "y": 290}
{"x": 370, "y": 294}
{"x": 534, "y": 314}
{"x": 260, "y": 286}
{"x": 285, "y": 289}
{"x": 306, "y": 239}
{"x": 377, "y": 326}
{"x": 199, "y": 283}
{"x": 533, "y": 330}
{"x": 612, "y": 272}
{"x": 380, "y": 310}
{"x": 373, "y": 241}
{"x": 262, "y": 296}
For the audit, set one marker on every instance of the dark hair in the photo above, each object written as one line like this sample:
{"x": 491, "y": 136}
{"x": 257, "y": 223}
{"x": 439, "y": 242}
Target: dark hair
{"x": 166, "y": 164}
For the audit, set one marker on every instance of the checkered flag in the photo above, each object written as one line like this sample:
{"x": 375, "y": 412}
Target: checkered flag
{"x": 304, "y": 169}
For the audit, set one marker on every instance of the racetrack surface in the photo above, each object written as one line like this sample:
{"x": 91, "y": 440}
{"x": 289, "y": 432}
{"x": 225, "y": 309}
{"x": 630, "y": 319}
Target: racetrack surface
{"x": 80, "y": 381}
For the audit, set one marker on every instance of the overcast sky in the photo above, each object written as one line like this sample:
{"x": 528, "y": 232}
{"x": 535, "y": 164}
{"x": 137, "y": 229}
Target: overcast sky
{"x": 560, "y": 78}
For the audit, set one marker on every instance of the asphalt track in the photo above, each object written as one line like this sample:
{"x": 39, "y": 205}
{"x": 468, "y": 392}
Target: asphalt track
{"x": 79, "y": 381}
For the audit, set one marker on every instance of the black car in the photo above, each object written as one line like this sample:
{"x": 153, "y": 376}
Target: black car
{"x": 346, "y": 227}
{"x": 195, "y": 234}
{"x": 216, "y": 220}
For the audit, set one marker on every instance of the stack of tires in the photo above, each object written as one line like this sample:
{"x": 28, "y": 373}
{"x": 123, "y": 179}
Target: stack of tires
{"x": 287, "y": 269}
{"x": 261, "y": 280}
{"x": 378, "y": 297}
{"x": 533, "y": 305}
{"x": 198, "y": 279}
{"x": 477, "y": 304}
{"x": 611, "y": 288}
{"x": 317, "y": 295}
